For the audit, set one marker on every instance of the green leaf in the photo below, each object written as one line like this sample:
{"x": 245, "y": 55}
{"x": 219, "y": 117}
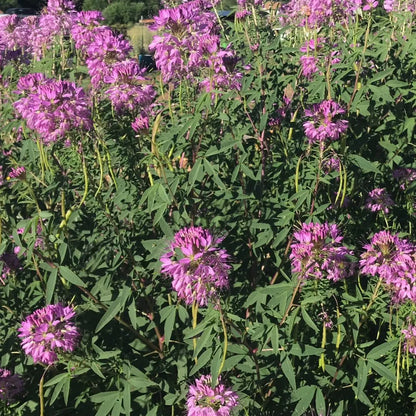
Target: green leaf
{"x": 202, "y": 360}
{"x": 116, "y": 409}
{"x": 308, "y": 320}
{"x": 69, "y": 275}
{"x": 140, "y": 381}
{"x": 216, "y": 363}
{"x": 289, "y": 372}
{"x": 97, "y": 370}
{"x": 169, "y": 323}
{"x": 362, "y": 374}
{"x": 114, "y": 308}
{"x": 232, "y": 361}
{"x": 382, "y": 370}
{"x": 57, "y": 390}
{"x": 274, "y": 338}
{"x": 127, "y": 399}
{"x": 203, "y": 340}
{"x": 50, "y": 286}
{"x": 382, "y": 349}
{"x": 365, "y": 165}
{"x": 305, "y": 396}
{"x": 320, "y": 402}
{"x": 104, "y": 396}
{"x": 107, "y": 406}
{"x": 196, "y": 174}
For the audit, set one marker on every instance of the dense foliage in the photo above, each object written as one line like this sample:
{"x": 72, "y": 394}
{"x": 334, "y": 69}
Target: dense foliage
{"x": 229, "y": 234}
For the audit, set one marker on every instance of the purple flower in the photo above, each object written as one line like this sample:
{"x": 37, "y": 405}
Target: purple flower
{"x": 242, "y": 14}
{"x": 103, "y": 52}
{"x": 205, "y": 400}
{"x": 400, "y": 5}
{"x": 54, "y": 21}
{"x": 394, "y": 260}
{"x": 11, "y": 264}
{"x": 309, "y": 66}
{"x": 318, "y": 13}
{"x": 140, "y": 124}
{"x": 317, "y": 253}
{"x": 52, "y": 107}
{"x": 60, "y": 6}
{"x": 315, "y": 56}
{"x": 324, "y": 122}
{"x": 198, "y": 268}
{"x": 369, "y": 5}
{"x": 48, "y": 331}
{"x": 330, "y": 165}
{"x": 410, "y": 339}
{"x": 85, "y": 25}
{"x": 11, "y": 385}
{"x": 326, "y": 319}
{"x": 379, "y": 200}
{"x": 129, "y": 89}
{"x": 8, "y": 26}
{"x": 18, "y": 173}
{"x": 188, "y": 47}
{"x": 405, "y": 176}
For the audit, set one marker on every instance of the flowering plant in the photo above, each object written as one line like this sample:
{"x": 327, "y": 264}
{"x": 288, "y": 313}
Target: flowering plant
{"x": 231, "y": 233}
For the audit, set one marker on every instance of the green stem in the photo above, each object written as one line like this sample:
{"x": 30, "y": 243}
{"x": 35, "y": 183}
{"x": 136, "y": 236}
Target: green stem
{"x": 323, "y": 343}
{"x": 85, "y": 172}
{"x": 194, "y": 323}
{"x": 375, "y": 293}
{"x": 142, "y": 338}
{"x": 100, "y": 163}
{"x": 41, "y": 397}
{"x": 291, "y": 302}
{"x": 224, "y": 328}
{"x": 360, "y": 64}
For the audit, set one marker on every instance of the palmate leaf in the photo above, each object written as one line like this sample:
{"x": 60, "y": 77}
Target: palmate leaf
{"x": 110, "y": 401}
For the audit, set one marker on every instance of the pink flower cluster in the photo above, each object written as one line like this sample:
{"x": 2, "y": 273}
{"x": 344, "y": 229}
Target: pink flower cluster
{"x": 109, "y": 64}
{"x": 245, "y": 8}
{"x": 35, "y": 34}
{"x": 52, "y": 107}
{"x": 400, "y": 5}
{"x": 18, "y": 172}
{"x": 106, "y": 55}
{"x": 105, "y": 50}
{"x": 205, "y": 400}
{"x": 379, "y": 200}
{"x": 332, "y": 164}
{"x": 85, "y": 26}
{"x": 48, "y": 331}
{"x": 189, "y": 48}
{"x": 410, "y": 339}
{"x": 405, "y": 176}
{"x": 11, "y": 385}
{"x": 199, "y": 268}
{"x": 9, "y": 263}
{"x": 317, "y": 253}
{"x": 281, "y": 112}
{"x": 318, "y": 13}
{"x": 129, "y": 89}
{"x": 324, "y": 122}
{"x": 394, "y": 260}
{"x": 317, "y": 57}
